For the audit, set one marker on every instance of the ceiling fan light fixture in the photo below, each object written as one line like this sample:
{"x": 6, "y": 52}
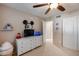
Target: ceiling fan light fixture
{"x": 53, "y": 5}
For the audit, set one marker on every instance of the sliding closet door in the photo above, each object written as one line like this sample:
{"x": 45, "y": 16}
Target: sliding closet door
{"x": 75, "y": 32}
{"x": 69, "y": 34}
{"x": 78, "y": 32}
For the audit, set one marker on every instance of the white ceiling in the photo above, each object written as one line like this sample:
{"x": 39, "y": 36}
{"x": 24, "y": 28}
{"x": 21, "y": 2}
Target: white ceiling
{"x": 27, "y": 7}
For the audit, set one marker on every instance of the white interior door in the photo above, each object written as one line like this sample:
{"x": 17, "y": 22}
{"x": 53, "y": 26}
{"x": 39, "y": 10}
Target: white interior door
{"x": 48, "y": 31}
{"x": 44, "y": 31}
{"x": 69, "y": 34}
{"x": 78, "y": 32}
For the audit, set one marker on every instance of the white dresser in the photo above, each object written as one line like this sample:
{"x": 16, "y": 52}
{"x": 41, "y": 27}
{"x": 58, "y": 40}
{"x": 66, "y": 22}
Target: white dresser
{"x": 28, "y": 43}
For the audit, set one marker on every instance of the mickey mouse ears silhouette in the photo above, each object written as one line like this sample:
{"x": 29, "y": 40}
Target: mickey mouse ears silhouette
{"x": 26, "y": 22}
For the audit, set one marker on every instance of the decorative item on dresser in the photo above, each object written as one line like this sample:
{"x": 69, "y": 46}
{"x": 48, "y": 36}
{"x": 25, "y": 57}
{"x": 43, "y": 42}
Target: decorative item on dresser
{"x": 28, "y": 43}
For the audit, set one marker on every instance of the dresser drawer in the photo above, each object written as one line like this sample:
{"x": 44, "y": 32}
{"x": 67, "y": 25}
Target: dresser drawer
{"x": 38, "y": 40}
{"x": 20, "y": 50}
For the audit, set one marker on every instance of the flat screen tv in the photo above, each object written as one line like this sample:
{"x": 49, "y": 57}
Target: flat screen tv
{"x": 28, "y": 32}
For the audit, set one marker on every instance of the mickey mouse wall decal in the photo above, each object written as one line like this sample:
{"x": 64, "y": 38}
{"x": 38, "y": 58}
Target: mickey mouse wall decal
{"x": 25, "y": 22}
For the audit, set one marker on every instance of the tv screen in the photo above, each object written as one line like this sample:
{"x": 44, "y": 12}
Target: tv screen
{"x": 28, "y": 32}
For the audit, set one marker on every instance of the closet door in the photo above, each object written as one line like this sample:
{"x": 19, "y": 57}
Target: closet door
{"x": 69, "y": 33}
{"x": 75, "y": 32}
{"x": 78, "y": 32}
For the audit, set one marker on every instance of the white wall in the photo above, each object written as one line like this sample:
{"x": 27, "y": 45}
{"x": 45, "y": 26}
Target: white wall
{"x": 15, "y": 18}
{"x": 58, "y": 32}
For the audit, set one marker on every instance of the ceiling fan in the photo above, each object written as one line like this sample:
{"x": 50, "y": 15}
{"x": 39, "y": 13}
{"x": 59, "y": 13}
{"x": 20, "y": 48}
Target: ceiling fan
{"x": 57, "y": 5}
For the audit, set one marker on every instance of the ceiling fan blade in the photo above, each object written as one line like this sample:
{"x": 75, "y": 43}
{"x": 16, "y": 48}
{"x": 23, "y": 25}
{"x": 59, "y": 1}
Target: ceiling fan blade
{"x": 40, "y": 5}
{"x": 47, "y": 10}
{"x": 61, "y": 8}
